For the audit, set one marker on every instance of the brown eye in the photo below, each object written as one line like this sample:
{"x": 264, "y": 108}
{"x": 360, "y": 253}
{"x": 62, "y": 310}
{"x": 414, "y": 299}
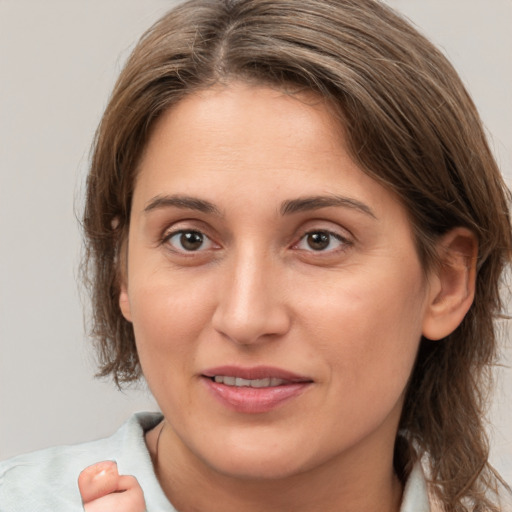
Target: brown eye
{"x": 318, "y": 241}
{"x": 189, "y": 241}
{"x": 322, "y": 241}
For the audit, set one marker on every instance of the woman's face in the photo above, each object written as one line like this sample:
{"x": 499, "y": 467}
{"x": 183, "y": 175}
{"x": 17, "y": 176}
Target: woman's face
{"x": 274, "y": 288}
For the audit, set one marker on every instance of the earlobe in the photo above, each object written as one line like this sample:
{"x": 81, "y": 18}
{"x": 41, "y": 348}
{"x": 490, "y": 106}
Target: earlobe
{"x": 452, "y": 284}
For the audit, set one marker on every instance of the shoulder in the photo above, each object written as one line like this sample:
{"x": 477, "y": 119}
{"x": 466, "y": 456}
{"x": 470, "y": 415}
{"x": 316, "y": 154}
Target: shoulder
{"x": 47, "y": 480}
{"x": 44, "y": 480}
{"x": 419, "y": 495}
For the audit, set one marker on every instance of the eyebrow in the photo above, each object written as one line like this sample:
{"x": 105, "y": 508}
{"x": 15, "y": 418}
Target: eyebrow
{"x": 183, "y": 202}
{"x": 316, "y": 202}
{"x": 288, "y": 207}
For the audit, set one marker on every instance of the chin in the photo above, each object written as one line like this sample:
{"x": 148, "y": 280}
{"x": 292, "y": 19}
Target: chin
{"x": 258, "y": 461}
{"x": 264, "y": 468}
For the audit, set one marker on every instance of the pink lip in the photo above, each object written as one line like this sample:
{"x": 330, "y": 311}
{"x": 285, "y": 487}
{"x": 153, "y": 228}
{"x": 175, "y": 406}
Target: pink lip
{"x": 254, "y": 400}
{"x": 256, "y": 372}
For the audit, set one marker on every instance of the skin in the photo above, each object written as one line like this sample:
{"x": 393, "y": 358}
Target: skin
{"x": 256, "y": 291}
{"x": 103, "y": 489}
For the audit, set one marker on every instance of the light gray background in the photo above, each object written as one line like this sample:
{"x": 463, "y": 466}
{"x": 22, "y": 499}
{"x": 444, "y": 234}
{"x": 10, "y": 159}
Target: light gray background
{"x": 58, "y": 62}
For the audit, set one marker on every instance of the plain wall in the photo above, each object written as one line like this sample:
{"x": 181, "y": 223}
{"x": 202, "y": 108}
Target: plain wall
{"x": 58, "y": 62}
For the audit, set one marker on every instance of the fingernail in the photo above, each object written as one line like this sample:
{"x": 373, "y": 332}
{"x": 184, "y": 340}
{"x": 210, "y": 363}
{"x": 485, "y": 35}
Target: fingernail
{"x": 104, "y": 468}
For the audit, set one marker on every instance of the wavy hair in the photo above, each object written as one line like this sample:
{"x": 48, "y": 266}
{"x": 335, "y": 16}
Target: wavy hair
{"x": 411, "y": 126}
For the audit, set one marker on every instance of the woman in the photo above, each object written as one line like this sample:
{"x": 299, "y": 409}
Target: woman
{"x": 296, "y": 232}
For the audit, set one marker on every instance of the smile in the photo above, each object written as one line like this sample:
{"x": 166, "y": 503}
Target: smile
{"x": 250, "y": 383}
{"x": 254, "y": 390}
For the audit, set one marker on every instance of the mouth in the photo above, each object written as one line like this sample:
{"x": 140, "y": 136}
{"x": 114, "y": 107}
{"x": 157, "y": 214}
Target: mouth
{"x": 254, "y": 390}
{"x": 239, "y": 382}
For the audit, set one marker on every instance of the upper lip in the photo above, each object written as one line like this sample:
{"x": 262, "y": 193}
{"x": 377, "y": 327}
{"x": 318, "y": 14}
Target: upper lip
{"x": 255, "y": 372}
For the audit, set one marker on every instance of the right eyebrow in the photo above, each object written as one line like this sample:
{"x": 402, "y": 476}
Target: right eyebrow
{"x": 183, "y": 202}
{"x": 304, "y": 204}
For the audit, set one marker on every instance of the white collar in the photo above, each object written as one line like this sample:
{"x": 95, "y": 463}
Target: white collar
{"x": 415, "y": 498}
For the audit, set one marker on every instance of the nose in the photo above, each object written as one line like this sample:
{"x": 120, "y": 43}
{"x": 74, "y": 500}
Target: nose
{"x": 251, "y": 306}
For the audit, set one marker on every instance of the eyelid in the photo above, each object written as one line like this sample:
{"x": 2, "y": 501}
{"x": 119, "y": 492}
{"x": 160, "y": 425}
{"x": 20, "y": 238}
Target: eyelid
{"x": 171, "y": 226}
{"x": 179, "y": 230}
{"x": 344, "y": 242}
{"x": 326, "y": 225}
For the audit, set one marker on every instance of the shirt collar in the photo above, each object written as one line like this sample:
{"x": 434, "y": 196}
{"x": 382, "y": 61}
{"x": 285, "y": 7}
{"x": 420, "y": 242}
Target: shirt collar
{"x": 415, "y": 497}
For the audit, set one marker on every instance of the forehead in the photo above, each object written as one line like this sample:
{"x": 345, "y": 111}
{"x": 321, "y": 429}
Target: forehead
{"x": 233, "y": 117}
{"x": 256, "y": 141}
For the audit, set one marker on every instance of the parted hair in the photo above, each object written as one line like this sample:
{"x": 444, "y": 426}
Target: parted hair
{"x": 410, "y": 125}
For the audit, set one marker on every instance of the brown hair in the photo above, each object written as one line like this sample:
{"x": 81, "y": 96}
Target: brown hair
{"x": 411, "y": 125}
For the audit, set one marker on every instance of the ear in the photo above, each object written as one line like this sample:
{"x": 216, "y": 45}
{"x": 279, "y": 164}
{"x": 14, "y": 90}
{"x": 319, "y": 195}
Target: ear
{"x": 122, "y": 271}
{"x": 124, "y": 301}
{"x": 452, "y": 284}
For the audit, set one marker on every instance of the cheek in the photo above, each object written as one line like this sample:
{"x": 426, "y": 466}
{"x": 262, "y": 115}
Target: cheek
{"x": 369, "y": 330}
{"x": 168, "y": 316}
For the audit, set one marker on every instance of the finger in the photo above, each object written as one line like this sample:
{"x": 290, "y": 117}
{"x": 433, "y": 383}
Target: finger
{"x": 131, "y": 500}
{"x": 128, "y": 483}
{"x": 98, "y": 480}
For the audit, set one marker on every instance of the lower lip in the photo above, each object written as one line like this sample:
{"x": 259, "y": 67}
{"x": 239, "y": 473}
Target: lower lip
{"x": 254, "y": 400}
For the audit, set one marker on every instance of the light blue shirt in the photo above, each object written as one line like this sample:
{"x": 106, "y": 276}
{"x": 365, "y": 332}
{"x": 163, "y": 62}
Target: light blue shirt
{"x": 46, "y": 481}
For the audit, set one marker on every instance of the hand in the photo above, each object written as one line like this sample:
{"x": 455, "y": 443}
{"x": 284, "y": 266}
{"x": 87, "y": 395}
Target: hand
{"x": 103, "y": 490}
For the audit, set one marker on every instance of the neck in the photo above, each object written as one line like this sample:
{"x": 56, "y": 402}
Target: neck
{"x": 355, "y": 484}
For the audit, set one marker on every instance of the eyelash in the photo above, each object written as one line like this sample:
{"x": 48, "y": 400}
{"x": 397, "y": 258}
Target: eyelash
{"x": 184, "y": 232}
{"x": 323, "y": 236}
{"x": 343, "y": 243}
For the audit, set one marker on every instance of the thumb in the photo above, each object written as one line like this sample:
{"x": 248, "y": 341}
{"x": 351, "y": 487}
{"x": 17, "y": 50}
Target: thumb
{"x": 98, "y": 480}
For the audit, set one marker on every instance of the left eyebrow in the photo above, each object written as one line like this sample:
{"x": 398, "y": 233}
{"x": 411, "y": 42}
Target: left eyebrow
{"x": 183, "y": 202}
{"x": 303, "y": 204}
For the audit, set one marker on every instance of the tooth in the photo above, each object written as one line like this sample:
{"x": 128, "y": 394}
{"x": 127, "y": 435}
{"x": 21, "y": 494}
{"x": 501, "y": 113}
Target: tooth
{"x": 261, "y": 383}
{"x": 254, "y": 383}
